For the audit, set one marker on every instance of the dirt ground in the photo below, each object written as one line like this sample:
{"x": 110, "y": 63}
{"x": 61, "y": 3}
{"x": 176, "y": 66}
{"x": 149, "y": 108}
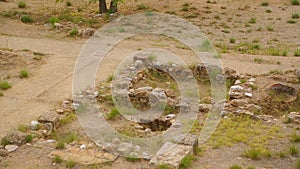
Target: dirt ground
{"x": 50, "y": 80}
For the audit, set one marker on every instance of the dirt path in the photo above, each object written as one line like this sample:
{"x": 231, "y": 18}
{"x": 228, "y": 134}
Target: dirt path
{"x": 48, "y": 85}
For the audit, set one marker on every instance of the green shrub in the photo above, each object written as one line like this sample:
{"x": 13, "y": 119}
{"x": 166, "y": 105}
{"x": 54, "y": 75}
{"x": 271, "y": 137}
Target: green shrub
{"x": 232, "y": 40}
{"x": 26, "y": 19}
{"x": 1, "y": 94}
{"x": 295, "y": 16}
{"x": 295, "y": 2}
{"x": 4, "y": 142}
{"x": 291, "y": 21}
{"x": 73, "y": 32}
{"x": 264, "y": 4}
{"x": 252, "y": 20}
{"x": 22, "y": 4}
{"x": 5, "y": 85}
{"x": 68, "y": 3}
{"x": 29, "y": 138}
{"x": 53, "y": 20}
{"x": 23, "y": 74}
{"x": 235, "y": 167}
{"x": 269, "y": 11}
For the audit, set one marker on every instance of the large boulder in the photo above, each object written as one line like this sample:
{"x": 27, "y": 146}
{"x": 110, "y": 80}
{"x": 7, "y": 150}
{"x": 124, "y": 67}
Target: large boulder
{"x": 171, "y": 154}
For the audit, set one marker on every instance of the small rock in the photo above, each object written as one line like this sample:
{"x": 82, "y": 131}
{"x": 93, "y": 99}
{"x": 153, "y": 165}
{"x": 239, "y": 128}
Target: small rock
{"x": 125, "y": 148}
{"x": 11, "y": 147}
{"x": 204, "y": 108}
{"x": 139, "y": 127}
{"x": 82, "y": 147}
{"x": 58, "y": 25}
{"x": 49, "y": 117}
{"x": 34, "y": 125}
{"x": 170, "y": 116}
{"x": 146, "y": 156}
{"x": 148, "y": 130}
{"x": 60, "y": 111}
{"x": 237, "y": 82}
{"x": 15, "y": 137}
{"x": 248, "y": 94}
{"x": 236, "y": 92}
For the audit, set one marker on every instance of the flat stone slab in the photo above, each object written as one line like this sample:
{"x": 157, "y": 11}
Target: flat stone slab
{"x": 171, "y": 154}
{"x": 86, "y": 156}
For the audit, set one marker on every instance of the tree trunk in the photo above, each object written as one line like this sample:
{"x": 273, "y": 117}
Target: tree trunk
{"x": 113, "y": 6}
{"x": 102, "y": 6}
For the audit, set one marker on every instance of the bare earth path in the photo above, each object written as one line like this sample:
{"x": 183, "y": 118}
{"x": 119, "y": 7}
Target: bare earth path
{"x": 37, "y": 94}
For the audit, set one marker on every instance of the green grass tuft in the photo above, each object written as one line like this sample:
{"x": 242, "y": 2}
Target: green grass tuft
{"x": 5, "y": 85}
{"x": 26, "y": 19}
{"x": 186, "y": 162}
{"x": 23, "y": 74}
{"x": 22, "y": 4}
{"x": 295, "y": 2}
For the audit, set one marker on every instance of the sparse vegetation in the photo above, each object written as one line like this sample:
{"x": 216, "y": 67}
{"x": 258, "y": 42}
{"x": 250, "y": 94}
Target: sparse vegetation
{"x": 52, "y": 20}
{"x": 295, "y": 138}
{"x": 282, "y": 154}
{"x": 70, "y": 164}
{"x": 187, "y": 161}
{"x": 22, "y": 4}
{"x": 5, "y": 85}
{"x": 57, "y": 159}
{"x": 258, "y": 60}
{"x": 269, "y": 11}
{"x": 1, "y": 94}
{"x": 60, "y": 145}
{"x": 257, "y": 153}
{"x": 73, "y": 32}
{"x": 295, "y": 2}
{"x": 141, "y": 7}
{"x": 264, "y": 4}
{"x": 293, "y": 150}
{"x": 4, "y": 142}
{"x": 235, "y": 167}
{"x": 26, "y": 19}
{"x": 23, "y": 74}
{"x": 68, "y": 3}
{"x": 269, "y": 28}
{"x": 232, "y": 40}
{"x": 252, "y": 20}
{"x": 295, "y": 16}
{"x": 29, "y": 138}
{"x": 291, "y": 21}
{"x": 132, "y": 159}
{"x": 164, "y": 166}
